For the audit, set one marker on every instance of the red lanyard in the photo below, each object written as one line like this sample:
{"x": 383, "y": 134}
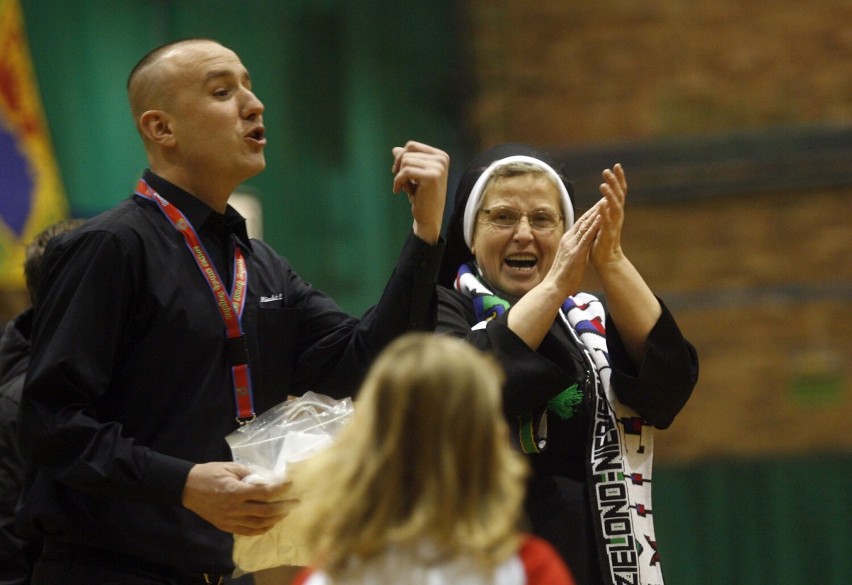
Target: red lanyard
{"x": 230, "y": 306}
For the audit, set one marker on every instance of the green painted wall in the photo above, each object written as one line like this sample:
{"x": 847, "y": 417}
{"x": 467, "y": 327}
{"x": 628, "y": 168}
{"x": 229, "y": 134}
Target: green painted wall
{"x": 768, "y": 520}
{"x": 343, "y": 82}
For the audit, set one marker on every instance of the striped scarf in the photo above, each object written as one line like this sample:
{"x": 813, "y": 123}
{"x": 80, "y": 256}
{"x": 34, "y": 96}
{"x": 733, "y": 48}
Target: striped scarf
{"x": 621, "y": 451}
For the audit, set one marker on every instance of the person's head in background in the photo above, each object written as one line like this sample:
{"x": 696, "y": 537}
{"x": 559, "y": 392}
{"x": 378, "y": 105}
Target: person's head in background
{"x": 425, "y": 459}
{"x": 35, "y": 251}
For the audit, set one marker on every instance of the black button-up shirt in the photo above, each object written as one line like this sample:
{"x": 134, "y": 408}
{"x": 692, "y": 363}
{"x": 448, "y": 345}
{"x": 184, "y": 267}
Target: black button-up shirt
{"x": 129, "y": 384}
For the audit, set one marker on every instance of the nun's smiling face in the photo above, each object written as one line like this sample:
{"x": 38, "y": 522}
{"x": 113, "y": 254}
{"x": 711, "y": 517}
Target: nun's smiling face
{"x": 515, "y": 258}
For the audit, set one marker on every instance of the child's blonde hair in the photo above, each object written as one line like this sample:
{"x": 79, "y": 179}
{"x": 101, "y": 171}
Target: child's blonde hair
{"x": 426, "y": 458}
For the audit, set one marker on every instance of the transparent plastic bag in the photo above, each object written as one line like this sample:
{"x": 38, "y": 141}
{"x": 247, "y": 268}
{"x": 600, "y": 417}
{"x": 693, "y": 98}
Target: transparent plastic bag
{"x": 287, "y": 433}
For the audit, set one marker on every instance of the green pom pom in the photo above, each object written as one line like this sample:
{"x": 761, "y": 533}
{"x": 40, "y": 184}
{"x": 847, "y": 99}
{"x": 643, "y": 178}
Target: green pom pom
{"x": 564, "y": 404}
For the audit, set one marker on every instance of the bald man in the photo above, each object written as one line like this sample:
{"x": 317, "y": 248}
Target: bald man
{"x": 162, "y": 327}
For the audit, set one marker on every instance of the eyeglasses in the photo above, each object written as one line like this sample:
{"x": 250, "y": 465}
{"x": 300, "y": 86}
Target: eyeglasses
{"x": 506, "y": 217}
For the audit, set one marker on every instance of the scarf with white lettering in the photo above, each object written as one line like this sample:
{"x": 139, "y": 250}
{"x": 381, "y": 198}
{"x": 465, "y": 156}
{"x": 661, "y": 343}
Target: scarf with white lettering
{"x": 621, "y": 454}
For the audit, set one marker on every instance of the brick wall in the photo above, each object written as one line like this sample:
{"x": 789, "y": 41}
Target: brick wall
{"x": 760, "y": 281}
{"x": 761, "y": 286}
{"x": 557, "y": 72}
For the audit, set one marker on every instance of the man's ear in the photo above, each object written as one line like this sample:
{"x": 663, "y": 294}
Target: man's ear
{"x": 156, "y": 126}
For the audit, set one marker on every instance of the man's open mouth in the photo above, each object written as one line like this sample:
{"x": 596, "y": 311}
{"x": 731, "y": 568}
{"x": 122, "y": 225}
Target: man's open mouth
{"x": 256, "y": 134}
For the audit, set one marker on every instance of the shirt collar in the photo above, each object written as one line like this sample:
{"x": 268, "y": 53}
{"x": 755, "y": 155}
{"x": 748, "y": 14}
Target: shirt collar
{"x": 196, "y": 211}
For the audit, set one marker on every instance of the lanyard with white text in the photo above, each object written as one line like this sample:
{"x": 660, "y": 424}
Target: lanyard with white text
{"x": 230, "y": 306}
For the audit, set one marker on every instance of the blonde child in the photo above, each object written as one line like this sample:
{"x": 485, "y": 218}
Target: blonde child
{"x": 422, "y": 485}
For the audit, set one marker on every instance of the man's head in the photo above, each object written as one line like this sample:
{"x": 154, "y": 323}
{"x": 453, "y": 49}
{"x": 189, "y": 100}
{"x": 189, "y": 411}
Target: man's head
{"x": 35, "y": 251}
{"x": 201, "y": 123}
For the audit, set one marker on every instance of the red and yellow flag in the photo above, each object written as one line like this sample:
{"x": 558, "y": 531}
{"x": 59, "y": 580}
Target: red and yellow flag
{"x": 31, "y": 193}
